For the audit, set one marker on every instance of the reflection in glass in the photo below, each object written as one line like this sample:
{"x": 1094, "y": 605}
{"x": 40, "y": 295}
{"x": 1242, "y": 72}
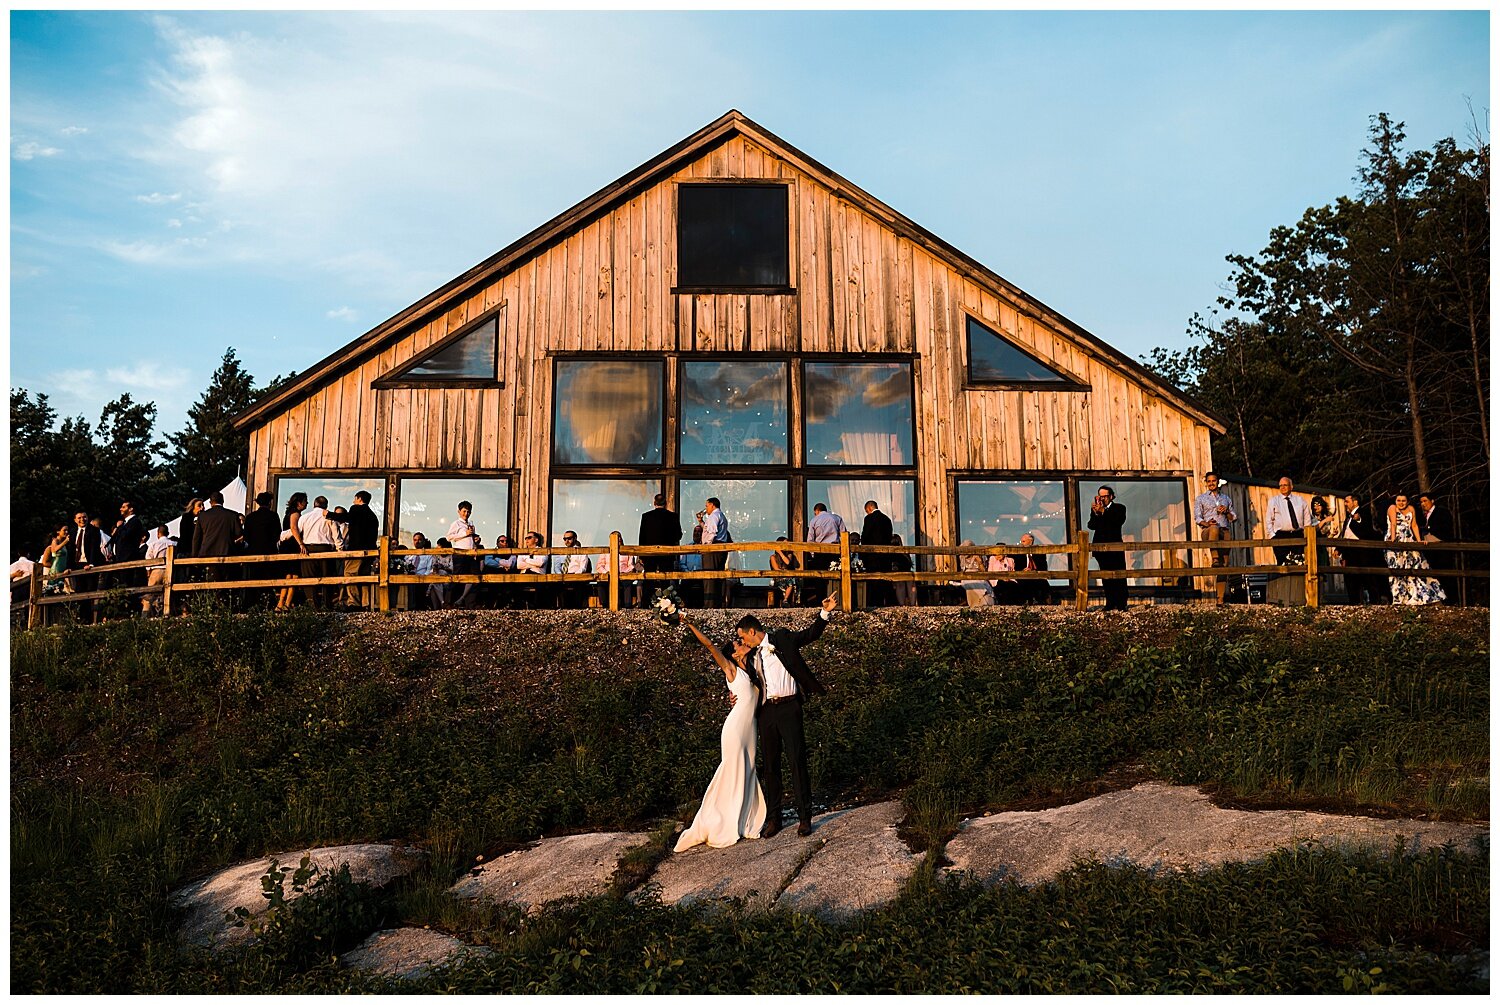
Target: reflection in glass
{"x": 992, "y": 358}
{"x": 472, "y": 356}
{"x": 858, "y": 413}
{"x": 595, "y": 506}
{"x": 607, "y": 411}
{"x": 995, "y": 512}
{"x": 755, "y": 508}
{"x": 734, "y": 413}
{"x": 338, "y": 490}
{"x": 1155, "y": 510}
{"x": 896, "y": 498}
{"x": 430, "y": 505}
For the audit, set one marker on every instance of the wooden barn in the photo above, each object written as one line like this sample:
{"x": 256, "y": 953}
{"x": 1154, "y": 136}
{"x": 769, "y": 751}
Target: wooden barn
{"x": 733, "y": 319}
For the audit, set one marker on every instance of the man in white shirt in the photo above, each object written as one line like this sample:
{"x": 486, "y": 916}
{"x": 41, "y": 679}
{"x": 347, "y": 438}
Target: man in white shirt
{"x": 463, "y": 537}
{"x": 541, "y": 595}
{"x": 317, "y": 535}
{"x": 156, "y": 552}
{"x": 1286, "y": 516}
{"x": 573, "y": 594}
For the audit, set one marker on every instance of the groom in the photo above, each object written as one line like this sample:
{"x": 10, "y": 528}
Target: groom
{"x": 784, "y": 680}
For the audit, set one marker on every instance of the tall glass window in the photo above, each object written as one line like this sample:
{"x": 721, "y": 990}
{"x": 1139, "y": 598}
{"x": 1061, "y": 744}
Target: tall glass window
{"x": 858, "y": 414}
{"x": 338, "y": 489}
{"x": 595, "y": 506}
{"x": 734, "y": 412}
{"x": 607, "y": 412}
{"x": 430, "y": 505}
{"x": 896, "y": 498}
{"x": 1156, "y": 509}
{"x": 756, "y": 509}
{"x": 1000, "y": 512}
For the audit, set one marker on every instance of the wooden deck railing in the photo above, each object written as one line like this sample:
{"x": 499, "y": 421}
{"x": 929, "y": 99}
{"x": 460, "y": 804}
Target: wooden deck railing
{"x": 193, "y": 575}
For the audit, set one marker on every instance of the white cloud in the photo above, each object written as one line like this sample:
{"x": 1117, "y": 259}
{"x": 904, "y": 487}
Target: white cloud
{"x": 344, "y": 313}
{"x": 158, "y": 199}
{"x": 30, "y": 150}
{"x": 174, "y": 222}
{"x": 147, "y": 376}
{"x": 73, "y": 130}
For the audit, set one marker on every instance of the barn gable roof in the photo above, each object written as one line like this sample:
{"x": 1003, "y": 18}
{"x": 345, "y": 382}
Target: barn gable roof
{"x": 731, "y": 124}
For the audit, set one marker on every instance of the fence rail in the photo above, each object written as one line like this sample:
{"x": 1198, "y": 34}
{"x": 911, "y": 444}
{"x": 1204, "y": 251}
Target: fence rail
{"x": 178, "y": 577}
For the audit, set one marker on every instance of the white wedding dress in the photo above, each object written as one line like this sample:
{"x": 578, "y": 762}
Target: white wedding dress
{"x": 733, "y": 807}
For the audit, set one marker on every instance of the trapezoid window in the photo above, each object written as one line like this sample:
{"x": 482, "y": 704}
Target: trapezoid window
{"x": 732, "y": 237}
{"x": 463, "y": 358}
{"x": 993, "y": 359}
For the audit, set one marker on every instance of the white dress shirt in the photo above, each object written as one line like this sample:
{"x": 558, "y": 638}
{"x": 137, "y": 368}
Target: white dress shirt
{"x": 778, "y": 680}
{"x": 461, "y": 534}
{"x": 314, "y": 525}
{"x": 1279, "y": 513}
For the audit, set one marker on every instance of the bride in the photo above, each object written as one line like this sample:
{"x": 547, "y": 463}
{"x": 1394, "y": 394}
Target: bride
{"x": 733, "y": 806}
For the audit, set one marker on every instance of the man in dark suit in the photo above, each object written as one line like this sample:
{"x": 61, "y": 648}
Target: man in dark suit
{"x": 659, "y": 526}
{"x": 216, "y": 534}
{"x": 129, "y": 542}
{"x": 877, "y": 530}
{"x": 364, "y": 535}
{"x": 262, "y": 529}
{"x": 1359, "y": 526}
{"x": 1032, "y": 591}
{"x": 87, "y": 553}
{"x": 1437, "y": 525}
{"x": 1107, "y": 521}
{"x": 783, "y": 681}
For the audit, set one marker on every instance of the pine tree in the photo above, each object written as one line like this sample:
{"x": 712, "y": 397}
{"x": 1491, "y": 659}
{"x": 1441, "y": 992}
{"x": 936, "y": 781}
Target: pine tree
{"x": 209, "y": 450}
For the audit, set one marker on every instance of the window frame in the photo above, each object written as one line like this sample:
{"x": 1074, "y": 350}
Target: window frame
{"x": 401, "y": 376}
{"x": 682, "y": 361}
{"x": 1067, "y": 382}
{"x": 910, "y": 359}
{"x": 669, "y": 391}
{"x": 395, "y": 477}
{"x": 786, "y": 184}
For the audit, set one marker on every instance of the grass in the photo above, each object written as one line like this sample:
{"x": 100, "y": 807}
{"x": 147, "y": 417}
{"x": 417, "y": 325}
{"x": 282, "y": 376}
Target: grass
{"x": 144, "y": 753}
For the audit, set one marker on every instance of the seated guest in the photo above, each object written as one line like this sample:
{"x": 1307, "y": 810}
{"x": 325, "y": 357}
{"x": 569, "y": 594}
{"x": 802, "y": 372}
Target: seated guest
{"x": 692, "y": 589}
{"x": 572, "y": 594}
{"x": 906, "y": 591}
{"x": 499, "y": 594}
{"x": 421, "y": 565}
{"x": 629, "y": 591}
{"x": 783, "y": 592}
{"x": 977, "y": 592}
{"x": 541, "y": 595}
{"x": 1006, "y": 589}
{"x": 1032, "y": 591}
{"x": 439, "y": 595}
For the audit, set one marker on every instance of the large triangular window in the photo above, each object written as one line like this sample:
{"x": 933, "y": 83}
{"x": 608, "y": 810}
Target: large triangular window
{"x": 466, "y": 357}
{"x": 993, "y": 359}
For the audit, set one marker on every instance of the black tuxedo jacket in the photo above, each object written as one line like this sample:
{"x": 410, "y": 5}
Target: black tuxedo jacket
{"x": 1040, "y": 561}
{"x": 364, "y": 527}
{"x": 789, "y": 650}
{"x": 262, "y": 531}
{"x": 92, "y": 552}
{"x": 1107, "y": 526}
{"x": 129, "y": 540}
{"x": 1364, "y": 528}
{"x": 215, "y": 532}
{"x": 660, "y": 526}
{"x": 1438, "y": 524}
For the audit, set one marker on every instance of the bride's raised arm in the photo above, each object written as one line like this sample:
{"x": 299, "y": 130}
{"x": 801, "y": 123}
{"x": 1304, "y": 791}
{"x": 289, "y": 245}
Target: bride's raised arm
{"x": 725, "y": 664}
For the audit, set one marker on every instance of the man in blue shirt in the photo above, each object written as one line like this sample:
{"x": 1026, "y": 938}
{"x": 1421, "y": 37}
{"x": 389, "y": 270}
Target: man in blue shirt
{"x": 715, "y": 531}
{"x": 824, "y": 528}
{"x": 1213, "y": 513}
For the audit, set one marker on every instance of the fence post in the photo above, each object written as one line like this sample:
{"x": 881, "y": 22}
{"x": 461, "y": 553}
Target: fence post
{"x": 383, "y": 575}
{"x": 1310, "y": 557}
{"x": 166, "y": 582}
{"x": 1081, "y": 571}
{"x": 34, "y": 596}
{"x": 614, "y": 570}
{"x": 846, "y": 582}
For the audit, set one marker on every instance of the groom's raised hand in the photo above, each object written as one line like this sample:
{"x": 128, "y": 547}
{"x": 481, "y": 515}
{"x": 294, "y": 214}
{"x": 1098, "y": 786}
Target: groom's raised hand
{"x": 830, "y": 602}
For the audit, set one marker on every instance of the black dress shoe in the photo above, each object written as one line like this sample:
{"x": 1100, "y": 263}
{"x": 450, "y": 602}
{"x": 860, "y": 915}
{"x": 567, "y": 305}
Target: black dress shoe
{"x": 771, "y": 829}
{"x": 804, "y": 829}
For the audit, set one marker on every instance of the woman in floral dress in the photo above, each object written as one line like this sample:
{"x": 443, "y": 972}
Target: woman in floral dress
{"x": 1401, "y": 527}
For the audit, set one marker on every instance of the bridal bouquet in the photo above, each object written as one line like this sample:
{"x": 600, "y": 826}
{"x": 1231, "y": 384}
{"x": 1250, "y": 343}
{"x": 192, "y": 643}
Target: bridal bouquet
{"x": 668, "y": 605}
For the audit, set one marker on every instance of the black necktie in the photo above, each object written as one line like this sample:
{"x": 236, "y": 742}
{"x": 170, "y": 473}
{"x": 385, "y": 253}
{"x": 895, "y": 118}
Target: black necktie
{"x": 1292, "y": 512}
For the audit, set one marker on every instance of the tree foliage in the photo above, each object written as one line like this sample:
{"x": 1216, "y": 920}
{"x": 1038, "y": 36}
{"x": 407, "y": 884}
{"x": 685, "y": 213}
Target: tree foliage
{"x": 1353, "y": 350}
{"x": 58, "y": 469}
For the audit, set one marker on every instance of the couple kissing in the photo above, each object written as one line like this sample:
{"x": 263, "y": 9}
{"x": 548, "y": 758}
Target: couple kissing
{"x": 768, "y": 681}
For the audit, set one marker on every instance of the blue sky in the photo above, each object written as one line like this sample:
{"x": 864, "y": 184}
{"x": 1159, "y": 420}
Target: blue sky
{"x": 282, "y": 182}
